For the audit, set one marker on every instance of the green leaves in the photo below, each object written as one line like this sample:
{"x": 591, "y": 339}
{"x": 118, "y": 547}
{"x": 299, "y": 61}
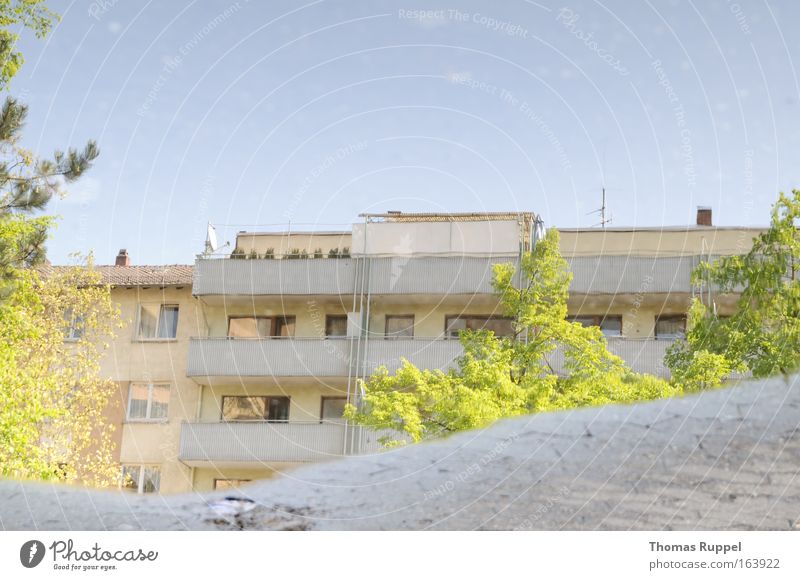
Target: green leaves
{"x": 763, "y": 333}
{"x": 500, "y": 377}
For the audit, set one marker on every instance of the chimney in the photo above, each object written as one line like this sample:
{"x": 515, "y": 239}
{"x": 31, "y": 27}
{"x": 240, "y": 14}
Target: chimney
{"x": 122, "y": 258}
{"x": 703, "y": 215}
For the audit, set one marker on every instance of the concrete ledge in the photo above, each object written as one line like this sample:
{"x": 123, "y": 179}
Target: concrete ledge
{"x": 728, "y": 459}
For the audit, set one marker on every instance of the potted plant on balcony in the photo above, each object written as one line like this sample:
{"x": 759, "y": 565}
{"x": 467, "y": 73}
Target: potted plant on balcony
{"x": 253, "y": 255}
{"x": 318, "y": 253}
{"x": 238, "y": 254}
{"x": 333, "y": 253}
{"x": 345, "y": 253}
{"x": 294, "y": 254}
{"x": 269, "y": 254}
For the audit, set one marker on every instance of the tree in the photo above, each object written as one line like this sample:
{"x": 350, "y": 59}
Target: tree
{"x": 501, "y": 377}
{"x": 27, "y": 184}
{"x": 52, "y": 398}
{"x": 30, "y": 14}
{"x": 763, "y": 333}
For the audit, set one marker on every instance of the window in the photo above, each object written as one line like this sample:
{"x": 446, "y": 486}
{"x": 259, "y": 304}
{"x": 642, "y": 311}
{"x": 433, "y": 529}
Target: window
{"x": 501, "y": 327}
{"x": 671, "y": 326}
{"x": 284, "y": 326}
{"x": 73, "y": 325}
{"x": 148, "y": 401}
{"x": 260, "y": 326}
{"x": 400, "y": 326}
{"x": 333, "y": 409}
{"x": 610, "y": 326}
{"x": 158, "y": 321}
{"x": 336, "y": 325}
{"x": 141, "y": 478}
{"x": 229, "y": 483}
{"x": 275, "y": 409}
{"x": 249, "y": 326}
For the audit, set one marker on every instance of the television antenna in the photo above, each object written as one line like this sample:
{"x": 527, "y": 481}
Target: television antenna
{"x": 602, "y": 212}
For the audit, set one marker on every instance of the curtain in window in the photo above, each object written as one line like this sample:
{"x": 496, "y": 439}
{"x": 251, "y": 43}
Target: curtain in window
{"x": 151, "y": 479}
{"x": 148, "y": 320}
{"x": 168, "y": 322}
{"x": 137, "y": 404}
{"x": 159, "y": 407}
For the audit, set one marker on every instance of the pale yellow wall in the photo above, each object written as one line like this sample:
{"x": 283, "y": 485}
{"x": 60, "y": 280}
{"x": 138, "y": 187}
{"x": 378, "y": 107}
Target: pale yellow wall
{"x": 204, "y": 477}
{"x": 130, "y": 359}
{"x": 667, "y": 242}
{"x": 283, "y": 242}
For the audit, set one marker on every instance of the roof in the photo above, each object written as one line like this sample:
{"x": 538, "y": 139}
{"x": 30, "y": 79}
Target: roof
{"x": 688, "y": 228}
{"x": 451, "y": 217}
{"x": 171, "y": 275}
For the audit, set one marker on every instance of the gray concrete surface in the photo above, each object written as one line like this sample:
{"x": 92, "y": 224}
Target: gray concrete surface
{"x": 728, "y": 459}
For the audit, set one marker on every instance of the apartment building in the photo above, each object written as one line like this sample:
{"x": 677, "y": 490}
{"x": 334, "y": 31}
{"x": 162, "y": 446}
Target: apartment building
{"x": 239, "y": 367}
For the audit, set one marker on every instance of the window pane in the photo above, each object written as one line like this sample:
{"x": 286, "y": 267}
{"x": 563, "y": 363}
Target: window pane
{"x": 151, "y": 479}
{"x": 333, "y": 409}
{"x": 130, "y": 477}
{"x": 168, "y": 322}
{"x": 137, "y": 402}
{"x": 500, "y": 326}
{"x": 336, "y": 326}
{"x": 229, "y": 483}
{"x": 611, "y": 326}
{"x": 148, "y": 320}
{"x": 278, "y": 409}
{"x": 400, "y": 326}
{"x": 583, "y": 320}
{"x": 249, "y": 327}
{"x": 455, "y": 326}
{"x": 284, "y": 326}
{"x": 244, "y": 408}
{"x": 670, "y": 327}
{"x": 159, "y": 407}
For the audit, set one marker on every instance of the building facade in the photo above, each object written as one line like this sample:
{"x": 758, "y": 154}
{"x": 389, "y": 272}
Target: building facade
{"x": 239, "y": 367}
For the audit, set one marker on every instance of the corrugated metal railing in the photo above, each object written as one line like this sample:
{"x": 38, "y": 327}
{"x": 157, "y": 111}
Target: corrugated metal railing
{"x": 260, "y": 441}
{"x": 254, "y": 357}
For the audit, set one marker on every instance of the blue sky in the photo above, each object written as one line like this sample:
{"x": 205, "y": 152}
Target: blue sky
{"x": 251, "y": 114}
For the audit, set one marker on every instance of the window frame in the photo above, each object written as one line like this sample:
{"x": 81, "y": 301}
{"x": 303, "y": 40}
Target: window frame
{"x": 147, "y": 418}
{"x": 138, "y": 328}
{"x": 322, "y": 406}
{"x": 388, "y": 317}
{"x": 74, "y": 323}
{"x": 598, "y": 319}
{"x": 140, "y": 484}
{"x": 486, "y": 317}
{"x": 340, "y": 317}
{"x": 267, "y": 408}
{"x": 236, "y": 479}
{"x": 669, "y": 317}
{"x": 273, "y": 326}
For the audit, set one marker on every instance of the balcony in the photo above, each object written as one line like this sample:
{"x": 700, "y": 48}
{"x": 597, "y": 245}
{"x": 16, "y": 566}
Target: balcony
{"x": 264, "y": 357}
{"x": 450, "y": 275}
{"x": 236, "y": 443}
{"x": 425, "y": 353}
{"x": 641, "y": 355}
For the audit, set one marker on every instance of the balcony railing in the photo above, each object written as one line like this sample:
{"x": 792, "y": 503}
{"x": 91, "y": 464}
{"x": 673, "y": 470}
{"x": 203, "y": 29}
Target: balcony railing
{"x": 235, "y": 442}
{"x": 440, "y": 275}
{"x": 260, "y": 441}
{"x": 263, "y": 357}
{"x": 314, "y": 357}
{"x": 425, "y": 353}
